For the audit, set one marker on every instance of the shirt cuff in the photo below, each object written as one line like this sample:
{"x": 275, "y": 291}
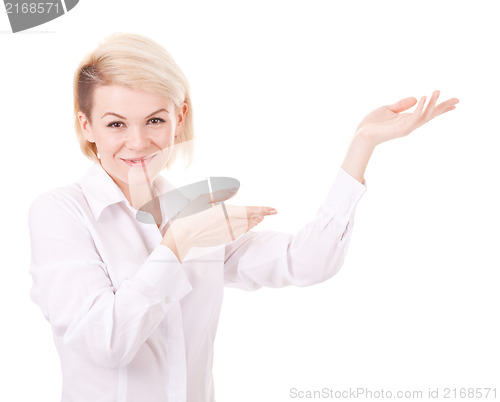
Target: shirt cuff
{"x": 164, "y": 272}
{"x": 343, "y": 196}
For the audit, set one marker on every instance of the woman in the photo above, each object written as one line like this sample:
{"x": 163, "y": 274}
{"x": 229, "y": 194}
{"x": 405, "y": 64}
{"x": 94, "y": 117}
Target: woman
{"x": 134, "y": 306}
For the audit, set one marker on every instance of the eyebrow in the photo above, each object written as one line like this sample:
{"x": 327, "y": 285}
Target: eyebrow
{"x": 124, "y": 118}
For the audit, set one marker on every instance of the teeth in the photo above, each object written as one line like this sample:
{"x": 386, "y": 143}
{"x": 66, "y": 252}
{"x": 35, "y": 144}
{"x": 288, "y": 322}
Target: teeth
{"x": 138, "y": 160}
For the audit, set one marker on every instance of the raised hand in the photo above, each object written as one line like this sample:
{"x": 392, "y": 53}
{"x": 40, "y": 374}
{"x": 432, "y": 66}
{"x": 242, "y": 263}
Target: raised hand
{"x": 388, "y": 122}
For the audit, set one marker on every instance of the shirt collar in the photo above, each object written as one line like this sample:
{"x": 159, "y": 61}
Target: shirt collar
{"x": 101, "y": 191}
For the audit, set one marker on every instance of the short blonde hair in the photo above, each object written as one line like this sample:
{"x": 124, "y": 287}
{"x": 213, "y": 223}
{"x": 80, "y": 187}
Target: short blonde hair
{"x": 141, "y": 64}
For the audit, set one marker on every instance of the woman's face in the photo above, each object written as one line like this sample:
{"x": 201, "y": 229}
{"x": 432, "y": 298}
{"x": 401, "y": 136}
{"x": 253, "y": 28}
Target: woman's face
{"x": 134, "y": 133}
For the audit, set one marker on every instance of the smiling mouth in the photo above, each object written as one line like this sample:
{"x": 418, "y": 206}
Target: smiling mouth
{"x": 138, "y": 161}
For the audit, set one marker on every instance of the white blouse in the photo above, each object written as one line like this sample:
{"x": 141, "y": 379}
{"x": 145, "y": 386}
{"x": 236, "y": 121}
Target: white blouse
{"x": 133, "y": 324}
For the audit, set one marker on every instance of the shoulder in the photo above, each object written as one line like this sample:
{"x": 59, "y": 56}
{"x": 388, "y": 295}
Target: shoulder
{"x": 59, "y": 202}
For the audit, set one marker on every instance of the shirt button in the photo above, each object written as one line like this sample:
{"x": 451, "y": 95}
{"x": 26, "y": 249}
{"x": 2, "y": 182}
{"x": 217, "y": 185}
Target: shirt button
{"x": 167, "y": 300}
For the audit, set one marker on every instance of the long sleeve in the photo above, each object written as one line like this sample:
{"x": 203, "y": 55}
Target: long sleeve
{"x": 314, "y": 254}
{"x": 71, "y": 284}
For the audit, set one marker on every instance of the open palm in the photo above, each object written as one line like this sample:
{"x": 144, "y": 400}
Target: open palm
{"x": 387, "y": 122}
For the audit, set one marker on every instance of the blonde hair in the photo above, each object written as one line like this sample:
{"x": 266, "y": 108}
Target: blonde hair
{"x": 141, "y": 64}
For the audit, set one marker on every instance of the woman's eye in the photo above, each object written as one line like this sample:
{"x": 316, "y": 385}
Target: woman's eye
{"x": 156, "y": 121}
{"x": 115, "y": 124}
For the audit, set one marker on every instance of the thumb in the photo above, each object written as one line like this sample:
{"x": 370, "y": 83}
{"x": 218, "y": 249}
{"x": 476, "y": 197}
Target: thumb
{"x": 403, "y": 104}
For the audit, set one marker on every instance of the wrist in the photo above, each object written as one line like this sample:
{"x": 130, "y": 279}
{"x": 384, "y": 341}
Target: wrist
{"x": 364, "y": 140}
{"x": 357, "y": 156}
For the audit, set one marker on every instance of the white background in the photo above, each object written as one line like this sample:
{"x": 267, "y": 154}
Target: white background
{"x": 278, "y": 89}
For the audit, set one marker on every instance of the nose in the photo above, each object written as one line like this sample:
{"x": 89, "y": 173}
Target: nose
{"x": 137, "y": 138}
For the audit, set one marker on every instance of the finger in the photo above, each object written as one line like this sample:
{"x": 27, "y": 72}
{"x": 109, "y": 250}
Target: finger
{"x": 254, "y": 222}
{"x": 447, "y": 110}
{"x": 417, "y": 114}
{"x": 260, "y": 211}
{"x": 429, "y": 110}
{"x": 402, "y": 105}
{"x": 445, "y": 106}
{"x": 252, "y": 218}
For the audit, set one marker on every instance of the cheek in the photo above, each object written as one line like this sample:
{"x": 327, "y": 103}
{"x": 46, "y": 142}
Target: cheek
{"x": 108, "y": 145}
{"x": 165, "y": 138}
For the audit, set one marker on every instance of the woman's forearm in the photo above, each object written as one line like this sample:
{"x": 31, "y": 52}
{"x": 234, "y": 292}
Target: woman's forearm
{"x": 357, "y": 157}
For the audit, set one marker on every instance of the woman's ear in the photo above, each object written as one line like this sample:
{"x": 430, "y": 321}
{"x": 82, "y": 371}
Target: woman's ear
{"x": 181, "y": 117}
{"x": 86, "y": 127}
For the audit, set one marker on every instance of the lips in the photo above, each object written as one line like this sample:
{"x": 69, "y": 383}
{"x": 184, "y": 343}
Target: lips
{"x": 139, "y": 161}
